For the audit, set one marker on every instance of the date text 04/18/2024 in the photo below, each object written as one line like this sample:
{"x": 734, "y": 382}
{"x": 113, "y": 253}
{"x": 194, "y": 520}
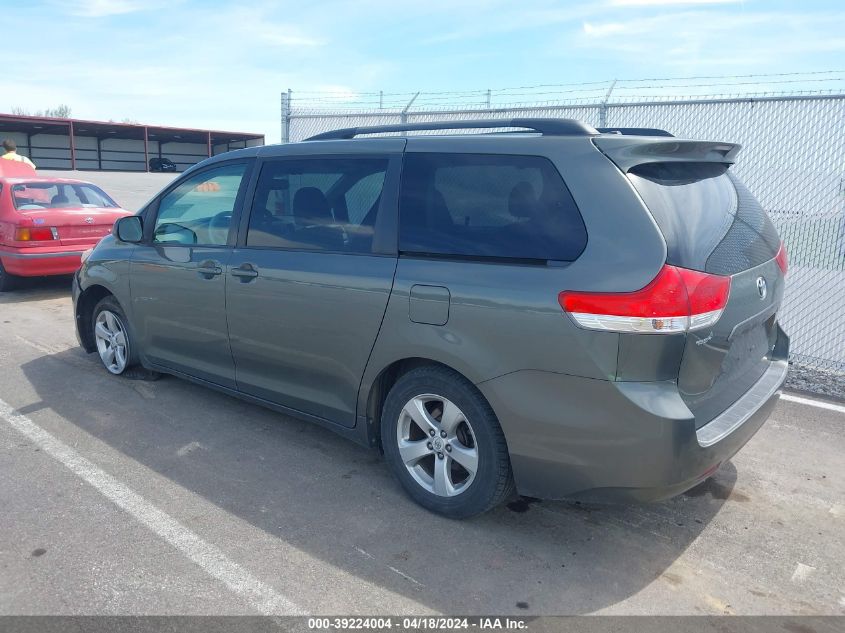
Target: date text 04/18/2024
{"x": 428, "y": 623}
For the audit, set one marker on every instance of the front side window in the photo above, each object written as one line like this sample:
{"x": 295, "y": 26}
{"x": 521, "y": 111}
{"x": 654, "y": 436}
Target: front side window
{"x": 199, "y": 210}
{"x": 477, "y": 205}
{"x": 49, "y": 195}
{"x": 319, "y": 204}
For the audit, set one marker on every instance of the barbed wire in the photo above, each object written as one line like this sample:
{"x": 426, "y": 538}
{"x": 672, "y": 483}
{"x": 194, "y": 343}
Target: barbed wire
{"x": 444, "y": 98}
{"x": 372, "y": 108}
{"x": 423, "y": 96}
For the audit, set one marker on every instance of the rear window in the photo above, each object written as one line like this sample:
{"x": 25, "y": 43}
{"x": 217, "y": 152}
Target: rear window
{"x": 49, "y": 195}
{"x": 709, "y": 219}
{"x": 477, "y": 205}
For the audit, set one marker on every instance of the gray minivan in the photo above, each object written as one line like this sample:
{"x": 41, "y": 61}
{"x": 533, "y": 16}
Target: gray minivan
{"x": 562, "y": 311}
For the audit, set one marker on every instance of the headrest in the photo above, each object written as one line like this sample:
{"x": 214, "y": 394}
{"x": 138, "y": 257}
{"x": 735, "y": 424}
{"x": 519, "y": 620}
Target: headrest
{"x": 312, "y": 204}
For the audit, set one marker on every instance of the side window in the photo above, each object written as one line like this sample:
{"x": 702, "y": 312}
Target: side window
{"x": 363, "y": 195}
{"x": 317, "y": 204}
{"x": 478, "y": 205}
{"x": 199, "y": 211}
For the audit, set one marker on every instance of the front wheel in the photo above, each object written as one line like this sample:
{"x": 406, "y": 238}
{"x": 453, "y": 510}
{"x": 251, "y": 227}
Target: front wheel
{"x": 112, "y": 336}
{"x": 444, "y": 443}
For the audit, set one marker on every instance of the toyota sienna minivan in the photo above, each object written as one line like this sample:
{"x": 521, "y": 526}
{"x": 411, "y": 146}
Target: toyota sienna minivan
{"x": 560, "y": 311}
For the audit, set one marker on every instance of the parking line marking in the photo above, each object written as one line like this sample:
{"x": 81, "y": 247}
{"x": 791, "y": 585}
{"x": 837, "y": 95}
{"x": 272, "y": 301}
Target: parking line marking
{"x": 258, "y": 594}
{"x": 813, "y": 403}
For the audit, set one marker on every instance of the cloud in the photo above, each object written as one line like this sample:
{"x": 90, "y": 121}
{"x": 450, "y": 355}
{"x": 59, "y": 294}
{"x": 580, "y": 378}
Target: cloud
{"x": 275, "y": 38}
{"x": 106, "y": 8}
{"x": 663, "y": 3}
{"x": 723, "y": 41}
{"x": 504, "y": 20}
{"x": 260, "y": 24}
{"x": 608, "y": 28}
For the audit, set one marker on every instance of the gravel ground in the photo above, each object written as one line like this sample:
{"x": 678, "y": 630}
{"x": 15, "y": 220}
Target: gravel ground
{"x": 817, "y": 381}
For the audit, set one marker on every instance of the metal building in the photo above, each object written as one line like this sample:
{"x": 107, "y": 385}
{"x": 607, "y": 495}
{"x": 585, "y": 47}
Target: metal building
{"x": 54, "y": 143}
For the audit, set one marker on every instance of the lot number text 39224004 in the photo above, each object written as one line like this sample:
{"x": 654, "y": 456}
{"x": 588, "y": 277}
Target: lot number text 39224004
{"x": 416, "y": 623}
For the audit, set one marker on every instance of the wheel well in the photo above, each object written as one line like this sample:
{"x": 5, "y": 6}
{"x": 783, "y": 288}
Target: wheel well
{"x": 382, "y": 385}
{"x": 89, "y": 298}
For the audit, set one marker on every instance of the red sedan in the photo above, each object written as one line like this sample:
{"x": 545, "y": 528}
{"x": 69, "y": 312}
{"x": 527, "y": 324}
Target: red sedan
{"x": 47, "y": 223}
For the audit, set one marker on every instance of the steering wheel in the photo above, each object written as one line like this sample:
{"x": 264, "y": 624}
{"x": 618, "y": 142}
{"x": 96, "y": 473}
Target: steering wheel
{"x": 218, "y": 227}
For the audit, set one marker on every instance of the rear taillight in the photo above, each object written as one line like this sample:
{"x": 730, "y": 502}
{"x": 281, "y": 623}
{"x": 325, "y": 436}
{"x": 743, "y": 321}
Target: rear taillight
{"x": 677, "y": 300}
{"x": 36, "y": 234}
{"x": 781, "y": 258}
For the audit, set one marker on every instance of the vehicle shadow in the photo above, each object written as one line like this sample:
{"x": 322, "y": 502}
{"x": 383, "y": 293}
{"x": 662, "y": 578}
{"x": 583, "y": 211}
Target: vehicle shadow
{"x": 37, "y": 289}
{"x": 310, "y": 489}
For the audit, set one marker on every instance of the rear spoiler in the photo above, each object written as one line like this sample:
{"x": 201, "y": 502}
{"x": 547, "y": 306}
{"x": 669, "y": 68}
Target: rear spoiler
{"x": 628, "y": 152}
{"x": 634, "y": 131}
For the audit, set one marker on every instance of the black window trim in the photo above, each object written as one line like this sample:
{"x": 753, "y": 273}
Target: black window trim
{"x": 487, "y": 259}
{"x": 386, "y": 229}
{"x": 150, "y": 212}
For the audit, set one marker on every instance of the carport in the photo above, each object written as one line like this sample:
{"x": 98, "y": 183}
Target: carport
{"x": 108, "y": 146}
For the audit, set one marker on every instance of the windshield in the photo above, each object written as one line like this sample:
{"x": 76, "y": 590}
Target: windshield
{"x": 50, "y": 195}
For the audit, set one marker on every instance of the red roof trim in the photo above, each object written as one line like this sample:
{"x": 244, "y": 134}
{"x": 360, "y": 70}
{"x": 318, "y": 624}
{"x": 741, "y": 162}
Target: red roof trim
{"x": 133, "y": 126}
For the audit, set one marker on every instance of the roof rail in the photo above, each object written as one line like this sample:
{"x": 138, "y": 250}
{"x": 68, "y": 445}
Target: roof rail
{"x": 634, "y": 131}
{"x": 546, "y": 127}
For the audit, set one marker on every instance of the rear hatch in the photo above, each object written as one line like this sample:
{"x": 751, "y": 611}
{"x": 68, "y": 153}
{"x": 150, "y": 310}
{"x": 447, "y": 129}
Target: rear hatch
{"x": 713, "y": 224}
{"x": 76, "y": 227}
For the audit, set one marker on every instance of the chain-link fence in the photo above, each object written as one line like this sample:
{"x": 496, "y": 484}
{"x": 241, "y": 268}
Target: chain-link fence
{"x": 793, "y": 160}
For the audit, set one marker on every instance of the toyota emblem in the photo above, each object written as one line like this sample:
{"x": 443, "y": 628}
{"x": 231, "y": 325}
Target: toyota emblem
{"x": 761, "y": 287}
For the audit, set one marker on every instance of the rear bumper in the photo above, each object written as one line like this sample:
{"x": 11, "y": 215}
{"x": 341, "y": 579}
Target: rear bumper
{"x": 618, "y": 441}
{"x": 739, "y": 413}
{"x": 39, "y": 261}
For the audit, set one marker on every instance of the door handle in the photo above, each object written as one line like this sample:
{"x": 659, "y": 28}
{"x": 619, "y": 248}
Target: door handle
{"x": 246, "y": 272}
{"x": 209, "y": 269}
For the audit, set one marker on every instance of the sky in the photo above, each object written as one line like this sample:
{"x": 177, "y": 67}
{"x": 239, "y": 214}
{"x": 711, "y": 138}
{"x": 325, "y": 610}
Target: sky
{"x": 223, "y": 65}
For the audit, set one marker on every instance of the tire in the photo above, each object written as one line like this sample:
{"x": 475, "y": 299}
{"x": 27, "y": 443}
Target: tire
{"x": 110, "y": 315}
{"x": 7, "y": 281}
{"x": 432, "y": 469}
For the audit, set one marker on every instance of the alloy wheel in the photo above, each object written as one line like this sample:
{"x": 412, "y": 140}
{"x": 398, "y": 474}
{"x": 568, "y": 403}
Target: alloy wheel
{"x": 437, "y": 445}
{"x": 111, "y": 341}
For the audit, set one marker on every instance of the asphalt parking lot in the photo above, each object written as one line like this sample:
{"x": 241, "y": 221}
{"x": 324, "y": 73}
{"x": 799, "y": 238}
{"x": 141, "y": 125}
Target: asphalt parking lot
{"x": 134, "y": 497}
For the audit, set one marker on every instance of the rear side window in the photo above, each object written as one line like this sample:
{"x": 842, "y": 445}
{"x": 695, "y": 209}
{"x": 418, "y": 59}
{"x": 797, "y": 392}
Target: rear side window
{"x": 709, "y": 219}
{"x": 478, "y": 205}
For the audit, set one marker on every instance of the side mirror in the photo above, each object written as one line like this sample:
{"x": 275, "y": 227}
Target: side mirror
{"x": 129, "y": 229}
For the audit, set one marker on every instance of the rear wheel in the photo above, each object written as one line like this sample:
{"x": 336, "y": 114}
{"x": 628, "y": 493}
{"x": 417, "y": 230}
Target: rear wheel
{"x": 444, "y": 443}
{"x": 7, "y": 281}
{"x": 112, "y": 336}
